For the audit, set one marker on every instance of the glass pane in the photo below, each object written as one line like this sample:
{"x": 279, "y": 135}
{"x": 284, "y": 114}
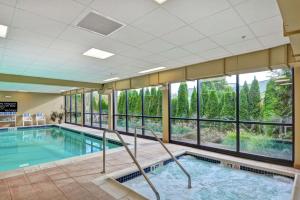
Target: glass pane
{"x": 218, "y": 135}
{"x": 184, "y": 130}
{"x": 78, "y": 118}
{"x": 120, "y": 102}
{"x": 155, "y": 124}
{"x": 218, "y": 98}
{"x": 79, "y": 103}
{"x": 73, "y": 118}
{"x": 95, "y": 102}
{"x": 68, "y": 117}
{"x": 153, "y": 101}
{"x": 87, "y": 102}
{"x": 135, "y": 101}
{"x": 104, "y": 121}
{"x": 184, "y": 99}
{"x": 120, "y": 123}
{"x": 104, "y": 104}
{"x": 267, "y": 140}
{"x": 87, "y": 119}
{"x": 266, "y": 96}
{"x": 134, "y": 122}
{"x": 73, "y": 103}
{"x": 96, "y": 120}
{"x": 67, "y": 104}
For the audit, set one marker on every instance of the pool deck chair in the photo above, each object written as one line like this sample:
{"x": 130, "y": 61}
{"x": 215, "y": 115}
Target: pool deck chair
{"x": 27, "y": 118}
{"x": 40, "y": 117}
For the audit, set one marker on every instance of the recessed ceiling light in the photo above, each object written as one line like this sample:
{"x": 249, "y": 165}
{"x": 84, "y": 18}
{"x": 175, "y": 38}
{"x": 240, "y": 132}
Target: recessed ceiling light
{"x": 96, "y": 53}
{"x": 160, "y": 1}
{"x": 111, "y": 79}
{"x": 151, "y": 70}
{"x": 3, "y": 31}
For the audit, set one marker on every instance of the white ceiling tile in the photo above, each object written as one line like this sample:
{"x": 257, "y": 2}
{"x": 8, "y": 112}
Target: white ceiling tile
{"x": 80, "y": 36}
{"x": 274, "y": 40}
{"x": 256, "y": 10}
{"x": 24, "y": 48}
{"x": 215, "y": 54}
{"x": 6, "y": 14}
{"x": 61, "y": 10}
{"x": 191, "y": 10}
{"x": 154, "y": 58}
{"x": 9, "y": 2}
{"x": 63, "y": 45}
{"x": 113, "y": 46}
{"x": 124, "y": 10}
{"x": 158, "y": 22}
{"x": 84, "y": 2}
{"x": 200, "y": 46}
{"x": 172, "y": 64}
{"x": 235, "y": 2}
{"x": 182, "y": 36}
{"x": 175, "y": 53}
{"x": 134, "y": 52}
{"x": 191, "y": 59}
{"x": 218, "y": 23}
{"x": 268, "y": 26}
{"x": 156, "y": 46}
{"x": 233, "y": 36}
{"x": 244, "y": 47}
{"x": 2, "y": 42}
{"x": 131, "y": 35}
{"x": 29, "y": 37}
{"x": 32, "y": 22}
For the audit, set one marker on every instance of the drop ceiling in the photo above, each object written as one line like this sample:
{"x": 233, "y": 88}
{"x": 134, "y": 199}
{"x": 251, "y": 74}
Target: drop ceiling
{"x": 44, "y": 41}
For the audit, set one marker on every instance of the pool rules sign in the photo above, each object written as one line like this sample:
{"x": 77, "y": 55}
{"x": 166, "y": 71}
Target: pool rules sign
{"x": 8, "y": 106}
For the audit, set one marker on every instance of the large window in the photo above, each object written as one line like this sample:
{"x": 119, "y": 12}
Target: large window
{"x": 248, "y": 114}
{"x": 78, "y": 112}
{"x": 137, "y": 107}
{"x": 67, "y": 109}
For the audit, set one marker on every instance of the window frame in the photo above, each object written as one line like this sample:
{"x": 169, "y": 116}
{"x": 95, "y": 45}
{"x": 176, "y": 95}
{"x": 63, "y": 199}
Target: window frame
{"x": 238, "y": 123}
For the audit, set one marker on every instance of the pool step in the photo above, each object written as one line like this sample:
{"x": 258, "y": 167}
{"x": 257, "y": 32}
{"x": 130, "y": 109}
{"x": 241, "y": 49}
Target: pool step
{"x": 118, "y": 190}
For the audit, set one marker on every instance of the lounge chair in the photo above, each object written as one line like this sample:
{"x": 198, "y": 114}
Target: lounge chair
{"x": 40, "y": 117}
{"x": 27, "y": 118}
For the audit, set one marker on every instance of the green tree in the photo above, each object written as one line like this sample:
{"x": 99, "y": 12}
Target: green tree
{"x": 193, "y": 109}
{"x": 183, "y": 100}
{"x": 174, "y": 106}
{"x": 212, "y": 110}
{"x": 270, "y": 101}
{"x": 254, "y": 100}
{"x": 153, "y": 102}
{"x": 159, "y": 102}
{"x": 104, "y": 104}
{"x": 244, "y": 102}
{"x": 147, "y": 100}
{"x": 121, "y": 107}
{"x": 203, "y": 100}
{"x": 228, "y": 109}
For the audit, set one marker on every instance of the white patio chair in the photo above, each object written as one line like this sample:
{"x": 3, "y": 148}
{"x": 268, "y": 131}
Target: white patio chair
{"x": 40, "y": 117}
{"x": 27, "y": 118}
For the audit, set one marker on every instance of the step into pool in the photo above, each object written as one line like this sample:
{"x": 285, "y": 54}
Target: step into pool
{"x": 210, "y": 181}
{"x": 24, "y": 147}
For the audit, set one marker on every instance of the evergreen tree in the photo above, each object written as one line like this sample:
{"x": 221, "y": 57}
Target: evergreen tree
{"x": 174, "y": 106}
{"x": 193, "y": 109}
{"x": 104, "y": 104}
{"x": 183, "y": 101}
{"x": 270, "y": 101}
{"x": 147, "y": 99}
{"x": 228, "y": 109}
{"x": 121, "y": 107}
{"x": 244, "y": 102}
{"x": 254, "y": 100}
{"x": 212, "y": 109}
{"x": 139, "y": 102}
{"x": 153, "y": 102}
{"x": 203, "y": 100}
{"x": 159, "y": 102}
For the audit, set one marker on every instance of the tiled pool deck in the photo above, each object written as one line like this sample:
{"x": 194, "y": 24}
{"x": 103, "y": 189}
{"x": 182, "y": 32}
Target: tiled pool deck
{"x": 73, "y": 178}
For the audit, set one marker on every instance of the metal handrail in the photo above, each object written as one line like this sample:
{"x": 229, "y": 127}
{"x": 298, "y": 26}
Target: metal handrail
{"x": 169, "y": 152}
{"x": 131, "y": 155}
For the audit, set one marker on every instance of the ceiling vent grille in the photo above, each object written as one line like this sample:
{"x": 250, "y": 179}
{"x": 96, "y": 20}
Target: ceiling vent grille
{"x": 99, "y": 24}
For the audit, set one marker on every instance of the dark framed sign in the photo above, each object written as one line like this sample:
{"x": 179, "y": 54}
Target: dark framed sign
{"x": 8, "y": 106}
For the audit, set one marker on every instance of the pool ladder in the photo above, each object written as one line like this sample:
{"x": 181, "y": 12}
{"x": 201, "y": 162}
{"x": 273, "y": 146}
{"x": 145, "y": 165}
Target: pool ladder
{"x": 135, "y": 155}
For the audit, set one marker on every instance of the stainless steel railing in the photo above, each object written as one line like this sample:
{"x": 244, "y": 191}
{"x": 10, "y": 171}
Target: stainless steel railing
{"x": 131, "y": 155}
{"x": 164, "y": 146}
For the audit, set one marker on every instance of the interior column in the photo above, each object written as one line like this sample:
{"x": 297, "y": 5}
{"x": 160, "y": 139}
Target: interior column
{"x": 165, "y": 113}
{"x": 297, "y": 117}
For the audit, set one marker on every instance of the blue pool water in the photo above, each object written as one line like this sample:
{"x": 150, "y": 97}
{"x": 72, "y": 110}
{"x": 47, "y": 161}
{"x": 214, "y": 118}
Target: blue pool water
{"x": 31, "y": 146}
{"x": 211, "y": 182}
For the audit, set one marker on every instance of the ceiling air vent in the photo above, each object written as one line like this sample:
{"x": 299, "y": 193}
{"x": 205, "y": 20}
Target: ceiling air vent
{"x": 99, "y": 24}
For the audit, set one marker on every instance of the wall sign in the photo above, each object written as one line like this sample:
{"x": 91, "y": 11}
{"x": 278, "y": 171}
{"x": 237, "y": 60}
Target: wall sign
{"x": 8, "y": 106}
